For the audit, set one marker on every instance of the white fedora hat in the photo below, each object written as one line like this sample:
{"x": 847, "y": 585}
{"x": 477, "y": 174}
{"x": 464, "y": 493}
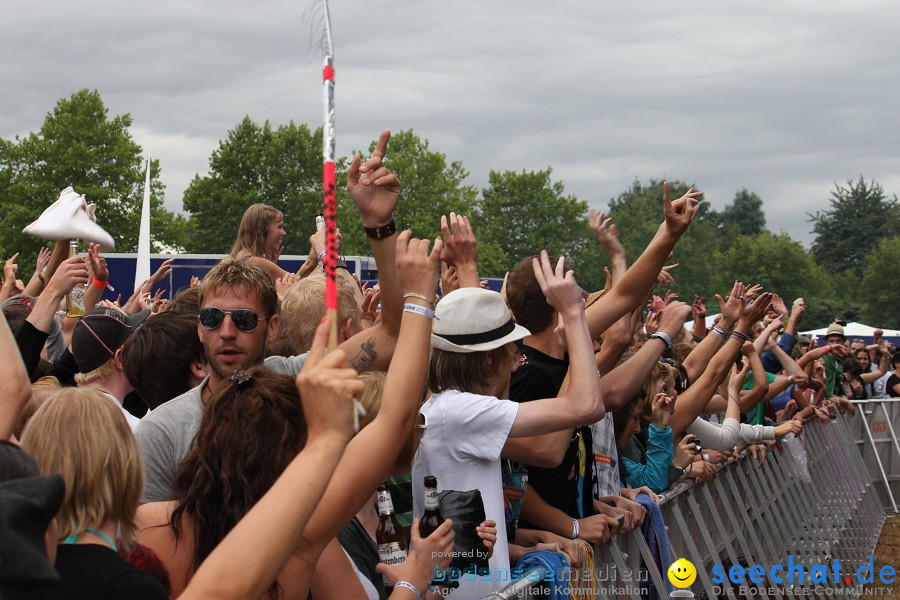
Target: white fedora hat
{"x": 473, "y": 320}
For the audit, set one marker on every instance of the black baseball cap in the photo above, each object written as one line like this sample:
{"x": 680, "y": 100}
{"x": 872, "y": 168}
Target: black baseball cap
{"x": 100, "y": 333}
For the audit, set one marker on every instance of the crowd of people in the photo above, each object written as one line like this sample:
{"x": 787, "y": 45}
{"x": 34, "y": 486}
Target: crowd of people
{"x": 211, "y": 446}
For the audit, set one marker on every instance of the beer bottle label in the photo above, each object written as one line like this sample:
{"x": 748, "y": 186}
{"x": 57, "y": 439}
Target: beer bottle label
{"x": 385, "y": 504}
{"x": 431, "y": 499}
{"x": 391, "y": 553}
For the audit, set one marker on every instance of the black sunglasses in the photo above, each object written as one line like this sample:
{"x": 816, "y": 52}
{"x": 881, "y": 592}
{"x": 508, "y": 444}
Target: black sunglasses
{"x": 243, "y": 318}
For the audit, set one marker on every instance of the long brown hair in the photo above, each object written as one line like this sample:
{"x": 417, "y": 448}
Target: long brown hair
{"x": 252, "y": 231}
{"x": 250, "y": 432}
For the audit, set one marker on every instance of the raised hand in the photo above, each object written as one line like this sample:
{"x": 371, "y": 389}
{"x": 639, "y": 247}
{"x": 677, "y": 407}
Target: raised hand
{"x": 416, "y": 266}
{"x": 731, "y": 309}
{"x": 97, "y": 262}
{"x": 607, "y": 233}
{"x": 450, "y": 279}
{"x": 460, "y": 246}
{"x": 10, "y": 267}
{"x": 369, "y": 315}
{"x": 43, "y": 259}
{"x": 558, "y": 285}
{"x": 662, "y": 407}
{"x": 665, "y": 277}
{"x": 283, "y": 284}
{"x": 374, "y": 189}
{"x": 699, "y": 308}
{"x": 71, "y": 272}
{"x": 671, "y": 319}
{"x": 682, "y": 211}
{"x": 779, "y": 306}
{"x": 753, "y": 313}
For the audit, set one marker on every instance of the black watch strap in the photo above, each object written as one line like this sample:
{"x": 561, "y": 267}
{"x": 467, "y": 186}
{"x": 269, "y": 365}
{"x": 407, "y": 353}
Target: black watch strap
{"x": 377, "y": 233}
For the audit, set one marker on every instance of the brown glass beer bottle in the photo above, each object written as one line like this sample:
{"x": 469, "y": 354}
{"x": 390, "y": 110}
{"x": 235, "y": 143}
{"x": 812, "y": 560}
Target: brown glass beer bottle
{"x": 432, "y": 517}
{"x": 389, "y": 535}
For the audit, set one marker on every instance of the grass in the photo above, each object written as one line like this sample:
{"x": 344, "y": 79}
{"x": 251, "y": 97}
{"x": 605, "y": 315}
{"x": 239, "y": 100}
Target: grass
{"x": 887, "y": 553}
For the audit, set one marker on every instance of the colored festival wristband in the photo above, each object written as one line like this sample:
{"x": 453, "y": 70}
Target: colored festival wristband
{"x": 98, "y": 283}
{"x": 419, "y": 310}
{"x": 407, "y": 585}
{"x": 827, "y": 349}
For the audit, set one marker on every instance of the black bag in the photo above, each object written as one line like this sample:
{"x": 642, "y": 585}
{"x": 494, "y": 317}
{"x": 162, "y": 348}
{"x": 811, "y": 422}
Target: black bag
{"x": 466, "y": 510}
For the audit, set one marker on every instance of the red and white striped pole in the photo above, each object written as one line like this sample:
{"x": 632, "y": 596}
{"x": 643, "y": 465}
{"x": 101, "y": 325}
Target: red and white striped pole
{"x": 329, "y": 184}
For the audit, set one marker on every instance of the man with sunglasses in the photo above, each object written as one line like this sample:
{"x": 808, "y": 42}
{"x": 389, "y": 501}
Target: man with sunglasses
{"x": 239, "y": 316}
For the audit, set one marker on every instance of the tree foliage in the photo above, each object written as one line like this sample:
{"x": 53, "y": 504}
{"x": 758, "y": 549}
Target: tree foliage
{"x": 78, "y": 145}
{"x": 279, "y": 166}
{"x": 860, "y": 217}
{"x": 526, "y": 212}
{"x": 881, "y": 274}
{"x": 745, "y": 214}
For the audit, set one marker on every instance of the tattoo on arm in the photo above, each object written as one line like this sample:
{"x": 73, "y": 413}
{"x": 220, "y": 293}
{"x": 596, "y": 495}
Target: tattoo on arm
{"x": 365, "y": 357}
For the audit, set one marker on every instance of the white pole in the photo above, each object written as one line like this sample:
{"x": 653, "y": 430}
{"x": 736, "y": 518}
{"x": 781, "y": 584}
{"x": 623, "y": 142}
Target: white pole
{"x": 142, "y": 268}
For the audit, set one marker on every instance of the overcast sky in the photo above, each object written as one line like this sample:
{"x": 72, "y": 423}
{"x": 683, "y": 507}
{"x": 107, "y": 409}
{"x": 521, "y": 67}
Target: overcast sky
{"x": 783, "y": 98}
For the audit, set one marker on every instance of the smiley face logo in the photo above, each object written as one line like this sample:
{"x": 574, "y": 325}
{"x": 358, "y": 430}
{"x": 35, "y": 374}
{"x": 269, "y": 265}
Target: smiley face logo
{"x": 682, "y": 573}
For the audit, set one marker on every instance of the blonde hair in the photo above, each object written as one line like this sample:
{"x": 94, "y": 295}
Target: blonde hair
{"x": 99, "y": 374}
{"x": 371, "y": 396}
{"x": 41, "y": 390}
{"x": 82, "y": 435}
{"x": 303, "y": 307}
{"x": 252, "y": 230}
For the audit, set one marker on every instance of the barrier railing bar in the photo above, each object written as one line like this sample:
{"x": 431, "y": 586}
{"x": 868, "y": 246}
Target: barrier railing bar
{"x": 649, "y": 563}
{"x": 725, "y": 534}
{"x": 693, "y": 552}
{"x": 837, "y": 513}
{"x": 887, "y": 484}
{"x": 705, "y": 534}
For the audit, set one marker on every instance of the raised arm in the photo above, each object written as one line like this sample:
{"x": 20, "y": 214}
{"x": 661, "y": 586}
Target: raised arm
{"x": 373, "y": 451}
{"x": 375, "y": 190}
{"x": 327, "y": 387}
{"x": 15, "y": 389}
{"x": 626, "y": 379}
{"x": 641, "y": 277}
{"x": 460, "y": 249}
{"x": 607, "y": 234}
{"x": 691, "y": 403}
{"x": 696, "y": 361}
{"x": 582, "y": 404}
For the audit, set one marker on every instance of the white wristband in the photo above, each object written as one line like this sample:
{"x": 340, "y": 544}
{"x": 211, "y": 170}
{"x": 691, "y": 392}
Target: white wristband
{"x": 419, "y": 310}
{"x": 574, "y": 529}
{"x": 409, "y": 586}
{"x": 705, "y": 457}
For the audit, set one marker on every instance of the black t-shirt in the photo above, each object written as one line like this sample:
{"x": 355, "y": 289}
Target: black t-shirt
{"x": 541, "y": 376}
{"x": 95, "y": 572}
{"x": 889, "y": 386}
{"x": 363, "y": 551}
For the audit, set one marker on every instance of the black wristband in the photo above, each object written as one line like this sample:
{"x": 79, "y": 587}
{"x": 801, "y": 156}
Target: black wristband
{"x": 378, "y": 233}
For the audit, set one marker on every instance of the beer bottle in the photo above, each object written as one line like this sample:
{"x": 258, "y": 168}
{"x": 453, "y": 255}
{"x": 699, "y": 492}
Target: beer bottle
{"x": 432, "y": 518}
{"x": 75, "y": 296}
{"x": 389, "y": 535}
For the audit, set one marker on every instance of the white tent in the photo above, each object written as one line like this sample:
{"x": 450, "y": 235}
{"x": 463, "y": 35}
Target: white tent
{"x": 852, "y": 330}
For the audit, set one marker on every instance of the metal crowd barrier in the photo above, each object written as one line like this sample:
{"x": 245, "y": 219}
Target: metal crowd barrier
{"x": 873, "y": 432}
{"x": 812, "y": 499}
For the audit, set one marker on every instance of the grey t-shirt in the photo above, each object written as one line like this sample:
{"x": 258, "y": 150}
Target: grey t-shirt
{"x": 165, "y": 435}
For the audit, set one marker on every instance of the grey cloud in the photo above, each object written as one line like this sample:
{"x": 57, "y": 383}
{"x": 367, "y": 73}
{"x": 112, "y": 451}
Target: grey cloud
{"x": 782, "y": 98}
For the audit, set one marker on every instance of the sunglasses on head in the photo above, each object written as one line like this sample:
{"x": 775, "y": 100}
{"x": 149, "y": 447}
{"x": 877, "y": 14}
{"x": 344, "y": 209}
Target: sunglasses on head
{"x": 243, "y": 318}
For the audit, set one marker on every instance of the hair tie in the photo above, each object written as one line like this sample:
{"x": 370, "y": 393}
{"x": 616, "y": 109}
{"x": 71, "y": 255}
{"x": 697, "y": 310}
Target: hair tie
{"x": 240, "y": 377}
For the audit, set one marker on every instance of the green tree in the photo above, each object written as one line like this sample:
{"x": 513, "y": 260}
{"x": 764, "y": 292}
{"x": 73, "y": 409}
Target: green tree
{"x": 78, "y": 145}
{"x": 432, "y": 186}
{"x": 526, "y": 212}
{"x": 279, "y": 166}
{"x": 638, "y": 212}
{"x": 777, "y": 262}
{"x": 745, "y": 214}
{"x": 882, "y": 271}
{"x": 860, "y": 217}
